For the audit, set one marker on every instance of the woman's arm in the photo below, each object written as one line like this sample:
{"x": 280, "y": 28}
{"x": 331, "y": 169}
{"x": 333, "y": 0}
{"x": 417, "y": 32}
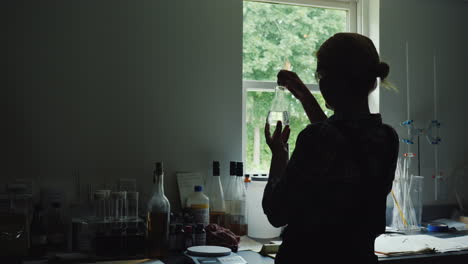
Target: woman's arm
{"x": 295, "y": 85}
{"x": 274, "y": 200}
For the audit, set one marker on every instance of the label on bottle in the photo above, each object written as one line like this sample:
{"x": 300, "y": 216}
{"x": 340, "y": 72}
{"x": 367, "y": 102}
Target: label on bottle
{"x": 200, "y": 213}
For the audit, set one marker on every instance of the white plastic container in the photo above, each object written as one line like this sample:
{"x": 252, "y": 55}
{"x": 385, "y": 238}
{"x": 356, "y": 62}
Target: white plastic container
{"x": 199, "y": 205}
{"x": 259, "y": 227}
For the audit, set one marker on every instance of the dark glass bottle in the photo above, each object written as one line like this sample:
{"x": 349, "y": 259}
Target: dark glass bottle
{"x": 158, "y": 217}
{"x": 38, "y": 234}
{"x": 180, "y": 237}
{"x": 188, "y": 236}
{"x": 56, "y": 229}
{"x": 200, "y": 235}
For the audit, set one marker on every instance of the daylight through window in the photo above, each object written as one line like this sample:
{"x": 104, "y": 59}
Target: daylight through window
{"x": 280, "y": 36}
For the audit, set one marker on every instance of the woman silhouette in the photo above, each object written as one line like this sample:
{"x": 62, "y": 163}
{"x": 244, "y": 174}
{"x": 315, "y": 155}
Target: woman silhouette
{"x": 331, "y": 194}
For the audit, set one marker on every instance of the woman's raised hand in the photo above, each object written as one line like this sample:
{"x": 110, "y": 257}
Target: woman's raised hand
{"x": 293, "y": 83}
{"x": 278, "y": 143}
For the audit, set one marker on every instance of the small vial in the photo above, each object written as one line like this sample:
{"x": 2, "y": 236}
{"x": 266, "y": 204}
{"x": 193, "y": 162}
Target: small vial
{"x": 180, "y": 237}
{"x": 200, "y": 235}
{"x": 172, "y": 237}
{"x": 188, "y": 236}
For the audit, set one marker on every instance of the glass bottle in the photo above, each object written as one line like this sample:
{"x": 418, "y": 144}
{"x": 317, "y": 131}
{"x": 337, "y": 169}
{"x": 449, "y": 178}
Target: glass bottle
{"x": 38, "y": 235}
{"x": 238, "y": 221}
{"x": 158, "y": 216}
{"x": 200, "y": 235}
{"x": 230, "y": 192}
{"x": 279, "y": 108}
{"x": 189, "y": 242}
{"x": 56, "y": 228}
{"x": 180, "y": 237}
{"x": 214, "y": 191}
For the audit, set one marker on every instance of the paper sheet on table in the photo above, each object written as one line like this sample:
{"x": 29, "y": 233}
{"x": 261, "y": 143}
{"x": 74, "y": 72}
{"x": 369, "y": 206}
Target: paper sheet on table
{"x": 246, "y": 243}
{"x": 418, "y": 244}
{"x": 186, "y": 181}
{"x": 390, "y": 245}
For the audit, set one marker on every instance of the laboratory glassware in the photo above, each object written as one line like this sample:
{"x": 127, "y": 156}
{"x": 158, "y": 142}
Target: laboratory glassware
{"x": 214, "y": 191}
{"x": 279, "y": 108}
{"x": 158, "y": 217}
{"x": 238, "y": 223}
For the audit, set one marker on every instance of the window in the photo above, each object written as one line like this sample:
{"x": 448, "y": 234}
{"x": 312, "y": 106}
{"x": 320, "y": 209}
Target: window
{"x": 283, "y": 36}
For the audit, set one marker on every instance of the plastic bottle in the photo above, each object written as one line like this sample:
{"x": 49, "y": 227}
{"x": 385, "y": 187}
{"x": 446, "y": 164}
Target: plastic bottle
{"x": 238, "y": 221}
{"x": 158, "y": 217}
{"x": 199, "y": 205}
{"x": 214, "y": 190}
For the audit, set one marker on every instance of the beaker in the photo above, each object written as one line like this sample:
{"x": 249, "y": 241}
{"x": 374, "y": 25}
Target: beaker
{"x": 99, "y": 198}
{"x": 132, "y": 205}
{"x": 118, "y": 205}
{"x": 279, "y": 108}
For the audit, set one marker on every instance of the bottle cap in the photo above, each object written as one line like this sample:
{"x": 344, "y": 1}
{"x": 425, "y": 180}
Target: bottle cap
{"x": 232, "y": 168}
{"x": 198, "y": 188}
{"x": 215, "y": 168}
{"x": 239, "y": 169}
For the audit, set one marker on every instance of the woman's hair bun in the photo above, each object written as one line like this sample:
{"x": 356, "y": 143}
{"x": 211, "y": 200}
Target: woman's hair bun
{"x": 382, "y": 70}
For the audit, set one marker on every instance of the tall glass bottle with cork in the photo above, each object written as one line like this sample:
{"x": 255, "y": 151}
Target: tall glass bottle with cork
{"x": 214, "y": 191}
{"x": 158, "y": 217}
{"x": 230, "y": 192}
{"x": 238, "y": 219}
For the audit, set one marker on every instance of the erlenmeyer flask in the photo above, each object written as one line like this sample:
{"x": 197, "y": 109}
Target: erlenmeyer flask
{"x": 279, "y": 108}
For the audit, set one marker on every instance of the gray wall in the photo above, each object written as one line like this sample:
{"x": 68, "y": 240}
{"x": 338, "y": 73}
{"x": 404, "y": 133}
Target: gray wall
{"x": 108, "y": 87}
{"x": 429, "y": 26}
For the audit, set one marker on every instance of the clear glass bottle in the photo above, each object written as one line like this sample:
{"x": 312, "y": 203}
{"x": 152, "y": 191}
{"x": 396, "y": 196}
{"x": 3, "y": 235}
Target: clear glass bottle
{"x": 238, "y": 220}
{"x": 279, "y": 108}
{"x": 229, "y": 195}
{"x": 158, "y": 217}
{"x": 214, "y": 191}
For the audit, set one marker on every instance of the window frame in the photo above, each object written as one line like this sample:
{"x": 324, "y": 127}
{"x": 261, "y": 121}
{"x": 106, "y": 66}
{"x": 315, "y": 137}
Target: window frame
{"x": 352, "y": 6}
